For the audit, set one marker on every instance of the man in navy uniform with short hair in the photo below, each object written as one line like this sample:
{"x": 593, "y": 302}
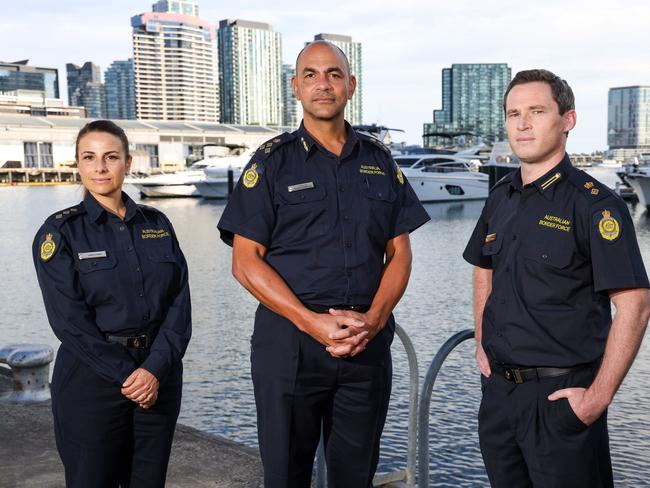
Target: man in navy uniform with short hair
{"x": 552, "y": 250}
{"x": 319, "y": 224}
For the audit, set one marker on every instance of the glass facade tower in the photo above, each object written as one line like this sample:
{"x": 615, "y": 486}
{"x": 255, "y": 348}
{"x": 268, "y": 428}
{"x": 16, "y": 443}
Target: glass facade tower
{"x": 120, "y": 90}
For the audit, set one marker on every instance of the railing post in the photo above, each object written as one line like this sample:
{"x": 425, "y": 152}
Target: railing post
{"x": 425, "y": 403}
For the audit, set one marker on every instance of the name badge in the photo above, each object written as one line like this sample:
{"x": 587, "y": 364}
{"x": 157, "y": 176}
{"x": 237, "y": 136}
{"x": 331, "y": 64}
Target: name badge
{"x": 490, "y": 237}
{"x": 301, "y": 186}
{"x": 91, "y": 255}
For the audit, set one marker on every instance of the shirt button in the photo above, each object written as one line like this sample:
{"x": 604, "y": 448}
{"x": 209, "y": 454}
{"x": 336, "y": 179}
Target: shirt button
{"x": 346, "y": 217}
{"x": 140, "y": 295}
{"x": 498, "y": 334}
{"x": 145, "y": 317}
{"x": 122, "y": 227}
{"x": 348, "y": 244}
{"x": 129, "y": 248}
{"x": 137, "y": 270}
{"x": 544, "y": 256}
{"x": 341, "y": 189}
{"x": 302, "y": 196}
{"x": 514, "y": 237}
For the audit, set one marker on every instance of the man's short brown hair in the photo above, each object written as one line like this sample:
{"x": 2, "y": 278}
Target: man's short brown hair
{"x": 562, "y": 93}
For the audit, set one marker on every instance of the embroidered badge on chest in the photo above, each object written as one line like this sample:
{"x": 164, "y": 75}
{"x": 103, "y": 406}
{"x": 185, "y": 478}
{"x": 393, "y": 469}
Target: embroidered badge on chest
{"x": 154, "y": 233}
{"x": 553, "y": 222}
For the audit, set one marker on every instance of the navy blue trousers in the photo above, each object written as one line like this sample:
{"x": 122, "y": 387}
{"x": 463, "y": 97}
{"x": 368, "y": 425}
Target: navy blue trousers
{"x": 299, "y": 387}
{"x": 528, "y": 441}
{"x": 104, "y": 439}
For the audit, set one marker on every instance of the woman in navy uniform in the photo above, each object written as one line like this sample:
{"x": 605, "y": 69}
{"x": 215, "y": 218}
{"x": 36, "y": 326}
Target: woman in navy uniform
{"x": 115, "y": 287}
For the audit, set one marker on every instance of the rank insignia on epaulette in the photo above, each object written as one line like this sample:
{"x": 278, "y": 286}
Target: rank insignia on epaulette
{"x": 608, "y": 226}
{"x": 48, "y": 247}
{"x": 276, "y": 140}
{"x": 595, "y": 191}
{"x": 251, "y": 176}
{"x": 304, "y": 144}
{"x": 589, "y": 185}
{"x": 58, "y": 216}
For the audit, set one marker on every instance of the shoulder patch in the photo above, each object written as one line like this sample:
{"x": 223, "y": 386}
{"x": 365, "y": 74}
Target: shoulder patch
{"x": 61, "y": 216}
{"x": 608, "y": 224}
{"x": 592, "y": 189}
{"x": 49, "y": 243}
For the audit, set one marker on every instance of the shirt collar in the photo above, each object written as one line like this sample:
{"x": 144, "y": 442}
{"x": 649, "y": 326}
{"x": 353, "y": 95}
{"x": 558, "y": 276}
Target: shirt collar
{"x": 95, "y": 210}
{"x": 309, "y": 145}
{"x": 547, "y": 183}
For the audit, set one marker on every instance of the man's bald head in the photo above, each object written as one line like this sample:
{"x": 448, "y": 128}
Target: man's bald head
{"x": 333, "y": 47}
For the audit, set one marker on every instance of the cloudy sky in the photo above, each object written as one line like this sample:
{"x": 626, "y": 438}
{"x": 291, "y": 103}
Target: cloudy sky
{"x": 593, "y": 44}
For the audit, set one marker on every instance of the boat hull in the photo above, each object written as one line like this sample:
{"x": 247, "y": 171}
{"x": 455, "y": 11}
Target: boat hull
{"x": 167, "y": 191}
{"x": 448, "y": 188}
{"x": 640, "y": 183}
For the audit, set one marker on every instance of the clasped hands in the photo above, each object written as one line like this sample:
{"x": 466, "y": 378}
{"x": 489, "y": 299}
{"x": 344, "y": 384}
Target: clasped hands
{"x": 344, "y": 333}
{"x": 141, "y": 387}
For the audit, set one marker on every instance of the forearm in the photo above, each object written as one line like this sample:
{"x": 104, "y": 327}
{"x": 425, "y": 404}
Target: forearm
{"x": 623, "y": 342}
{"x": 268, "y": 287}
{"x": 392, "y": 286}
{"x": 482, "y": 286}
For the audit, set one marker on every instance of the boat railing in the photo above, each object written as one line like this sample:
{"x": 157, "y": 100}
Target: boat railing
{"x": 418, "y": 418}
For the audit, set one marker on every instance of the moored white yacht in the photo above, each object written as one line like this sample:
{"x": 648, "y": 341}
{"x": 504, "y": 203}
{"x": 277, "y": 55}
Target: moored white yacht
{"x": 637, "y": 176}
{"x": 214, "y": 183}
{"x": 444, "y": 177}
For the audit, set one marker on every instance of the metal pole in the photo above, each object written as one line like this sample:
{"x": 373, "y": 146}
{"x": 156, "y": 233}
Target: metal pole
{"x": 231, "y": 181}
{"x": 425, "y": 403}
{"x": 413, "y": 405}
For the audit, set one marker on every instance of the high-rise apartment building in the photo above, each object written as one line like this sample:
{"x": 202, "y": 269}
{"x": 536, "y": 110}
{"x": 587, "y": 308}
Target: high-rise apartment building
{"x": 472, "y": 102}
{"x": 185, "y": 7}
{"x": 291, "y": 108}
{"x": 174, "y": 63}
{"x": 628, "y": 121}
{"x": 354, "y": 108}
{"x": 119, "y": 83}
{"x": 250, "y": 73}
{"x": 85, "y": 89}
{"x": 19, "y": 76}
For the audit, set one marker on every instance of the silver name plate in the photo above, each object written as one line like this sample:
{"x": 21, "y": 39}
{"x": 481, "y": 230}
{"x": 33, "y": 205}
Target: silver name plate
{"x": 301, "y": 186}
{"x": 91, "y": 255}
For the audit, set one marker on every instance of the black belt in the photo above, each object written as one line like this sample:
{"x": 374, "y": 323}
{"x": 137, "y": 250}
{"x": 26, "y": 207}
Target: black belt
{"x": 520, "y": 375}
{"x": 136, "y": 342}
{"x": 326, "y": 308}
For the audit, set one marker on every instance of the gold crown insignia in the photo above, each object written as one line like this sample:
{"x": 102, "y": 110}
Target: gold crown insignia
{"x": 606, "y": 214}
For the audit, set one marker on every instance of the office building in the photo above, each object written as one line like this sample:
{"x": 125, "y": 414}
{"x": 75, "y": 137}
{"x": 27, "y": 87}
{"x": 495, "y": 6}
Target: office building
{"x": 250, "y": 73}
{"x": 174, "y": 64}
{"x": 628, "y": 121}
{"x": 85, "y": 89}
{"x": 291, "y": 108}
{"x": 119, "y": 84}
{"x": 19, "y": 76}
{"x": 472, "y": 104}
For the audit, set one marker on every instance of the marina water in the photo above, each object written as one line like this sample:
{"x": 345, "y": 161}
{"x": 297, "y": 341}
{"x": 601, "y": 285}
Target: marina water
{"x": 218, "y": 392}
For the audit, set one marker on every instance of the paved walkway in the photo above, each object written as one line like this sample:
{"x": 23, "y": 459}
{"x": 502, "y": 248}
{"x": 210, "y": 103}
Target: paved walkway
{"x": 28, "y": 456}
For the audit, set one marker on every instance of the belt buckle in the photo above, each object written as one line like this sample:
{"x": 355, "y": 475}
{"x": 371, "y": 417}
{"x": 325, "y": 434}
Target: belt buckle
{"x": 138, "y": 341}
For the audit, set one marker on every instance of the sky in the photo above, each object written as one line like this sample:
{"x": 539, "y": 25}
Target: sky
{"x": 594, "y": 45}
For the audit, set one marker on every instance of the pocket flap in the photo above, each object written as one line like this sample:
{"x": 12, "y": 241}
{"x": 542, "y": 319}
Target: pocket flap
{"x": 90, "y": 265}
{"x": 302, "y": 196}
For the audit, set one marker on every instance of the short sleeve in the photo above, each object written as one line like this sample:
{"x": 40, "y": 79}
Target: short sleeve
{"x": 473, "y": 253}
{"x": 615, "y": 256}
{"x": 250, "y": 212}
{"x": 409, "y": 213}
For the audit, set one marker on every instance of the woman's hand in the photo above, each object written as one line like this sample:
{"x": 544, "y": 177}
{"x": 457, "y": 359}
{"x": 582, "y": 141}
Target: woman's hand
{"x": 141, "y": 387}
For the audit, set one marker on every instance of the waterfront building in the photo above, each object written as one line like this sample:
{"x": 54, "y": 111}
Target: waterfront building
{"x": 291, "y": 107}
{"x": 354, "y": 108}
{"x": 19, "y": 76}
{"x": 119, "y": 84}
{"x": 628, "y": 121}
{"x": 34, "y": 102}
{"x": 174, "y": 63}
{"x": 472, "y": 104}
{"x": 85, "y": 88}
{"x": 250, "y": 72}
{"x": 41, "y": 142}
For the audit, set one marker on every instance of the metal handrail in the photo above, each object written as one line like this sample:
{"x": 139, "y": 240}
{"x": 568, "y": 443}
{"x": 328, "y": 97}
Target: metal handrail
{"x": 411, "y": 456}
{"x": 425, "y": 403}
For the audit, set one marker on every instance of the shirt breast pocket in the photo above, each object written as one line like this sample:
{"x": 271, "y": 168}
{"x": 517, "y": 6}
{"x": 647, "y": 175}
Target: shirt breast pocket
{"x": 378, "y": 200}
{"x": 302, "y": 214}
{"x": 98, "y": 278}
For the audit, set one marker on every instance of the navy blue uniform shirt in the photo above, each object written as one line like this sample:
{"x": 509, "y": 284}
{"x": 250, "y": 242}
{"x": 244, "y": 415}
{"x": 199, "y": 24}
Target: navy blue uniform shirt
{"x": 102, "y": 275}
{"x": 324, "y": 220}
{"x": 555, "y": 247}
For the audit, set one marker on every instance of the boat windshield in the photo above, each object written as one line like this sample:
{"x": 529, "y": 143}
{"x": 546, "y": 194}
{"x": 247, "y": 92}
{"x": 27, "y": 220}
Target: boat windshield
{"x": 450, "y": 167}
{"x": 407, "y": 162}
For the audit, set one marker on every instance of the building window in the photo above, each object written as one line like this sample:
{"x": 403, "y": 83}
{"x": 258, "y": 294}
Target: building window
{"x": 38, "y": 155}
{"x": 152, "y": 151}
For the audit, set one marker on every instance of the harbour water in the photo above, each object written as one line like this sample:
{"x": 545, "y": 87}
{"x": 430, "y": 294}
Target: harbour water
{"x": 218, "y": 390}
